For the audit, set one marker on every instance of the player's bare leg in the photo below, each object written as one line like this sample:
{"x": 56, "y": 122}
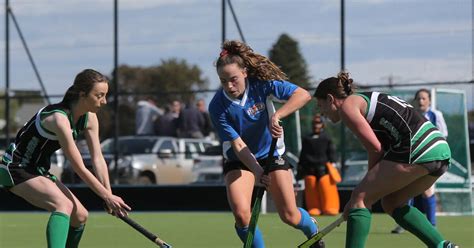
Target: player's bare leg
{"x": 283, "y": 195}
{"x": 44, "y": 193}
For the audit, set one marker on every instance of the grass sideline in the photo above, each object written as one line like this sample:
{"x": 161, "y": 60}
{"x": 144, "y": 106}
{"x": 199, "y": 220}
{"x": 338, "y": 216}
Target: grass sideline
{"x": 203, "y": 229}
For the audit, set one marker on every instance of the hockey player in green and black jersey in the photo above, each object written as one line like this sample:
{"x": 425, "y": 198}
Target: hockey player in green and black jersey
{"x": 406, "y": 155}
{"x": 24, "y": 167}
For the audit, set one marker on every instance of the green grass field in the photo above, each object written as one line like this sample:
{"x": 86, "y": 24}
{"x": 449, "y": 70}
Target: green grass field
{"x": 196, "y": 229}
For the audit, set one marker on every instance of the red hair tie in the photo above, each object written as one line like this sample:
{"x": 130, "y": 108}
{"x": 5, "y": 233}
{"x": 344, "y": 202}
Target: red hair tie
{"x": 223, "y": 53}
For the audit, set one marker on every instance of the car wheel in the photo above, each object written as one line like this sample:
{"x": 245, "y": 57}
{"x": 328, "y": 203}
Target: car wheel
{"x": 146, "y": 179}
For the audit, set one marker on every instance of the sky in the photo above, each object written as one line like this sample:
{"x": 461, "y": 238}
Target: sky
{"x": 408, "y": 41}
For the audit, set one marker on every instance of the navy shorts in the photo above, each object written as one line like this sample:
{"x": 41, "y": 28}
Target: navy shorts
{"x": 436, "y": 168}
{"x": 278, "y": 163}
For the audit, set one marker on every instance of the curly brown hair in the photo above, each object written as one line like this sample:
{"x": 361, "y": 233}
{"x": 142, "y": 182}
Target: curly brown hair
{"x": 258, "y": 66}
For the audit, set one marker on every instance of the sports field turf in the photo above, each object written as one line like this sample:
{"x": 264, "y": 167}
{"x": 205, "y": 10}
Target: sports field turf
{"x": 198, "y": 229}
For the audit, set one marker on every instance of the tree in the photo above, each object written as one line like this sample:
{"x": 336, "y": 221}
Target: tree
{"x": 285, "y": 53}
{"x": 173, "y": 79}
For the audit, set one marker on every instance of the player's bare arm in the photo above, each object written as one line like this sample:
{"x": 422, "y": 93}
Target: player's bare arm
{"x": 246, "y": 156}
{"x": 59, "y": 124}
{"x": 297, "y": 100}
{"x": 92, "y": 137}
{"x": 352, "y": 113}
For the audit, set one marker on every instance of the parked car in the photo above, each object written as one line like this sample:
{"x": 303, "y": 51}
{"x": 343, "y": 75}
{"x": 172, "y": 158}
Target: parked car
{"x": 148, "y": 159}
{"x": 354, "y": 170}
{"x": 207, "y": 167}
{"x": 57, "y": 163}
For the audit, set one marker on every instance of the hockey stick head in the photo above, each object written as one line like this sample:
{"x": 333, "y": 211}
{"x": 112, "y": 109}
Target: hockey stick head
{"x": 322, "y": 233}
{"x": 164, "y": 245}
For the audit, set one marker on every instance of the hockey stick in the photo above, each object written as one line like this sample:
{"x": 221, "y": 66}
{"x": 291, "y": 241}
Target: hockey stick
{"x": 321, "y": 233}
{"x": 145, "y": 232}
{"x": 258, "y": 199}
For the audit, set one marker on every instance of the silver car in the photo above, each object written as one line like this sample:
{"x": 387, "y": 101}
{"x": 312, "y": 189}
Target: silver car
{"x": 208, "y": 166}
{"x": 152, "y": 159}
{"x": 57, "y": 163}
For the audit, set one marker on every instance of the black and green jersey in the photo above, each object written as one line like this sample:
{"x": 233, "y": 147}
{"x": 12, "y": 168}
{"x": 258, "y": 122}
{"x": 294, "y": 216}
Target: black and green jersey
{"x": 406, "y": 136}
{"x": 34, "y": 144}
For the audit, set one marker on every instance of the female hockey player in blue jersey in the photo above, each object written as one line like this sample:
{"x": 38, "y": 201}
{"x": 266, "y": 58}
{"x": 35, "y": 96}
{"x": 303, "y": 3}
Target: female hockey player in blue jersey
{"x": 245, "y": 119}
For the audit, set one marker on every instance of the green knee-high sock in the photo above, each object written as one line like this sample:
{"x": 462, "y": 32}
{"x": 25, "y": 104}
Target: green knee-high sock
{"x": 56, "y": 231}
{"x": 416, "y": 222}
{"x": 358, "y": 227}
{"x": 74, "y": 236}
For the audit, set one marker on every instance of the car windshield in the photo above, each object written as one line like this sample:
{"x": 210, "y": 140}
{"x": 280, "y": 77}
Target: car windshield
{"x": 130, "y": 145}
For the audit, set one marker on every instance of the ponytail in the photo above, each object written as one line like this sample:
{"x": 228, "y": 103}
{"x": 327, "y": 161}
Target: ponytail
{"x": 340, "y": 87}
{"x": 346, "y": 82}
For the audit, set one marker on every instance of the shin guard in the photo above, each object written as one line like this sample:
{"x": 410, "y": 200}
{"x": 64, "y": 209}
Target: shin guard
{"x": 358, "y": 227}
{"x": 415, "y": 222}
{"x": 429, "y": 205}
{"x": 306, "y": 224}
{"x": 74, "y": 236}
{"x": 257, "y": 239}
{"x": 57, "y": 229}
